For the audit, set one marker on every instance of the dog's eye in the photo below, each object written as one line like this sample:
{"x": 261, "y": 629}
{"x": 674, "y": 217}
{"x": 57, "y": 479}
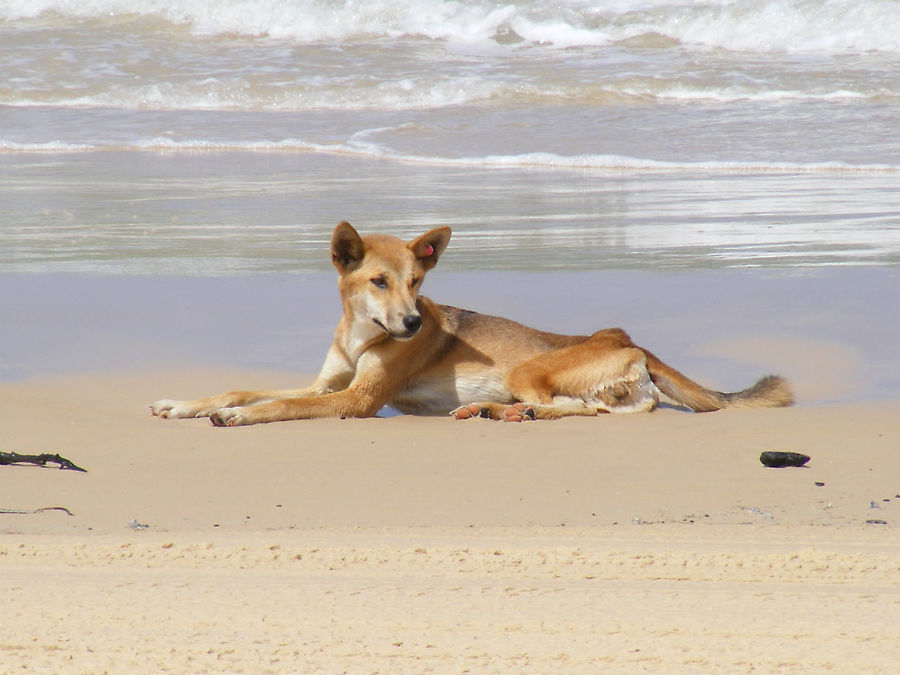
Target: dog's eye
{"x": 415, "y": 282}
{"x": 379, "y": 282}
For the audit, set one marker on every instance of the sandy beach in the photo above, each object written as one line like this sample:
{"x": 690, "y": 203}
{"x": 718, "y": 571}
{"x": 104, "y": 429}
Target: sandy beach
{"x": 719, "y": 179}
{"x": 644, "y": 543}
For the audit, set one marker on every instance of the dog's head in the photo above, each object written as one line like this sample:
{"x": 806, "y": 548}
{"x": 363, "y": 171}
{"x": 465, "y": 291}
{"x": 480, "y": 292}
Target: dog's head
{"x": 380, "y": 276}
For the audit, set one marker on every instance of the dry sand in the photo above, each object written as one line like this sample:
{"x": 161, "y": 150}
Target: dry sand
{"x": 646, "y": 543}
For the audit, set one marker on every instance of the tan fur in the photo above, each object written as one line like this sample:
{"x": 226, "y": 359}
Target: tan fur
{"x": 394, "y": 346}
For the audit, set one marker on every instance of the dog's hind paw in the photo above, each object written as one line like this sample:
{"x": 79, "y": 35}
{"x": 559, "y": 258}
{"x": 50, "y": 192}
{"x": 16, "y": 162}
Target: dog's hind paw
{"x": 465, "y": 412}
{"x": 518, "y": 412}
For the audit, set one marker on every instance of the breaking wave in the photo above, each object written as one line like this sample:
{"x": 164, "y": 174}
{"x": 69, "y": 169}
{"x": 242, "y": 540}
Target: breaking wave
{"x": 530, "y": 160}
{"x": 763, "y": 26}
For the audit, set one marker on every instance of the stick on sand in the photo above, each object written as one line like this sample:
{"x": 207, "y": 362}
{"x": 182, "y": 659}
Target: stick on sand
{"x": 40, "y": 460}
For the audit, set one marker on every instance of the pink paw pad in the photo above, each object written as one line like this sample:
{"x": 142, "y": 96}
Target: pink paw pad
{"x": 467, "y": 411}
{"x": 518, "y": 412}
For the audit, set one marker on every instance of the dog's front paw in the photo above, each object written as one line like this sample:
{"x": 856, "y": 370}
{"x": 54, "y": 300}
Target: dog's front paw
{"x": 229, "y": 417}
{"x": 174, "y": 409}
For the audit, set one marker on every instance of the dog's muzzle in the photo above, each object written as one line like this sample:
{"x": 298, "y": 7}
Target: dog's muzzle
{"x": 411, "y": 325}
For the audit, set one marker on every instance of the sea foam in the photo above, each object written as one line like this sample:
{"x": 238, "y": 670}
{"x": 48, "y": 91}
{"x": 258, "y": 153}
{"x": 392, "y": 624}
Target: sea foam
{"x": 361, "y": 145}
{"x": 793, "y": 26}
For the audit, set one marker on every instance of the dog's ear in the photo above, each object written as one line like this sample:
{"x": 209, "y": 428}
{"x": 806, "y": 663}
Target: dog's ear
{"x": 429, "y": 246}
{"x": 347, "y": 249}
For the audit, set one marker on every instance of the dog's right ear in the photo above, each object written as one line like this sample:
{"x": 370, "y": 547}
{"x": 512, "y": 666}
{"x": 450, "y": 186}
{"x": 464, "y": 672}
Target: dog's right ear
{"x": 347, "y": 249}
{"x": 429, "y": 246}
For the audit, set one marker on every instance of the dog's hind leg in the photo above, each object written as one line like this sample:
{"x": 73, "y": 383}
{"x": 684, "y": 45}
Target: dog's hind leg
{"x": 604, "y": 373}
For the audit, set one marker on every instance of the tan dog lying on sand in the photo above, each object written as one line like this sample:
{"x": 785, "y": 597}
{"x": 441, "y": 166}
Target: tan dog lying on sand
{"x": 394, "y": 346}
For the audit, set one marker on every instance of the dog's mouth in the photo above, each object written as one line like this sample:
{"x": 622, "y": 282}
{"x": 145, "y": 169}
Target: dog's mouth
{"x": 405, "y": 335}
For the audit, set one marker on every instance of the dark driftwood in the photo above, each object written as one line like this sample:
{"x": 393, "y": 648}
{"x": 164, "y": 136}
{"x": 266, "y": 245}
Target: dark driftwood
{"x": 40, "y": 460}
{"x": 31, "y": 511}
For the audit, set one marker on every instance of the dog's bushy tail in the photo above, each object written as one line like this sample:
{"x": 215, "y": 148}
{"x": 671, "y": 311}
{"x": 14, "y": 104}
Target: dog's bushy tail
{"x": 771, "y": 391}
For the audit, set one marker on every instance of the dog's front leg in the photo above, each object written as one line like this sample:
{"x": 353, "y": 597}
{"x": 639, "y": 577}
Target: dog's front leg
{"x": 204, "y": 407}
{"x": 363, "y": 398}
{"x": 201, "y": 407}
{"x": 337, "y": 372}
{"x": 339, "y": 404}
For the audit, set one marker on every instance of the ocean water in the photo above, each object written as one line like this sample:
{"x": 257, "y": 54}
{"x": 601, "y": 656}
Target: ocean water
{"x": 199, "y": 138}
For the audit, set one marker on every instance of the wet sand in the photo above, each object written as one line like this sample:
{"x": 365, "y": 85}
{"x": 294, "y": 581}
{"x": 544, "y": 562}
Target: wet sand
{"x": 828, "y": 330}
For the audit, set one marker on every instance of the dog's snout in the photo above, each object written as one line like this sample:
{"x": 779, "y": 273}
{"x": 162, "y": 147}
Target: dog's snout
{"x": 412, "y": 323}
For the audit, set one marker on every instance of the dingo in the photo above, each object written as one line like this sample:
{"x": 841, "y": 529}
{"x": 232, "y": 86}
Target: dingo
{"x": 394, "y": 346}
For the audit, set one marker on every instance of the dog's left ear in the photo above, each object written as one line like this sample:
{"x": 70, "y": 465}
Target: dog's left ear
{"x": 429, "y": 246}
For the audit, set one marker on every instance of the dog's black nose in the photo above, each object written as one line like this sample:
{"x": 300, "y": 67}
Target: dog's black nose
{"x": 412, "y": 323}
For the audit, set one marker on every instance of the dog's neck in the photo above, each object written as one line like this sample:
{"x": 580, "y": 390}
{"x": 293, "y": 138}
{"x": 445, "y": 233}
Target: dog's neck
{"x": 359, "y": 336}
